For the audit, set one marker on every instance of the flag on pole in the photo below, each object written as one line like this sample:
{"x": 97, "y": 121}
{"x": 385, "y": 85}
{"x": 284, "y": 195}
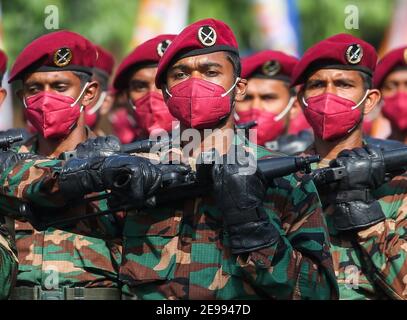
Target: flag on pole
{"x": 156, "y": 17}
{"x": 279, "y": 25}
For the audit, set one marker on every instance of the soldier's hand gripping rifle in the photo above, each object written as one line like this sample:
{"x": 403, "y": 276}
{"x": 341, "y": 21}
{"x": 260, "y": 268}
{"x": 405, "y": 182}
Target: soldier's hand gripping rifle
{"x": 175, "y": 186}
{"x": 395, "y": 162}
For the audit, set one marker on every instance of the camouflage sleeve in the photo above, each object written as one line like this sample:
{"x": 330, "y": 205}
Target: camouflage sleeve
{"x": 384, "y": 245}
{"x": 35, "y": 182}
{"x": 299, "y": 265}
{"x": 8, "y": 263}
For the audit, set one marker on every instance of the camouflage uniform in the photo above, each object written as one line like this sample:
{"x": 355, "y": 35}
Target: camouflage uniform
{"x": 8, "y": 262}
{"x": 372, "y": 263}
{"x": 55, "y": 259}
{"x": 181, "y": 251}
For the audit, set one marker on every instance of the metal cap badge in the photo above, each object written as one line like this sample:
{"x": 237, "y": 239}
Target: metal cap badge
{"x": 162, "y": 46}
{"x": 62, "y": 57}
{"x": 207, "y": 36}
{"x": 354, "y": 54}
{"x": 271, "y": 68}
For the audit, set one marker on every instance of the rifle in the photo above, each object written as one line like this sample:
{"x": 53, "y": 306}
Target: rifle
{"x": 176, "y": 187}
{"x": 394, "y": 160}
{"x": 134, "y": 147}
{"x": 7, "y": 141}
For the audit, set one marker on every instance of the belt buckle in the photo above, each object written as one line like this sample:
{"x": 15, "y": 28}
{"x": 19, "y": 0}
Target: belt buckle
{"x": 52, "y": 294}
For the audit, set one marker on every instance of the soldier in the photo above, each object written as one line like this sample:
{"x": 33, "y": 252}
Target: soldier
{"x": 365, "y": 214}
{"x": 135, "y": 77}
{"x": 269, "y": 100}
{"x": 103, "y": 101}
{"x": 250, "y": 240}
{"x": 391, "y": 78}
{"x": 8, "y": 253}
{"x": 55, "y": 71}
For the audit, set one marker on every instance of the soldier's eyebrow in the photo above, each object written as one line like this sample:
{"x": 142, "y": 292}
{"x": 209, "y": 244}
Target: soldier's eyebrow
{"x": 209, "y": 64}
{"x": 312, "y": 82}
{"x": 201, "y": 65}
{"x": 180, "y": 66}
{"x": 138, "y": 82}
{"x": 344, "y": 80}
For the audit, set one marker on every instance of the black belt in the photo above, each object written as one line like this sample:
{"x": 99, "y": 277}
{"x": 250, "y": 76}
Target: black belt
{"x": 37, "y": 293}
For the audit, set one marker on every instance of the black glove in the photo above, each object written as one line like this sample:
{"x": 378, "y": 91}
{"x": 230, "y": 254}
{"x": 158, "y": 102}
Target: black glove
{"x": 98, "y": 147}
{"x": 10, "y": 158}
{"x": 240, "y": 198}
{"x": 365, "y": 168}
{"x": 356, "y": 207}
{"x": 79, "y": 177}
{"x": 131, "y": 179}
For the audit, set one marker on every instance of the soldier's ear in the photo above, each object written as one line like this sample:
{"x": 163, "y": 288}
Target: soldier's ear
{"x": 240, "y": 91}
{"x": 372, "y": 100}
{"x": 90, "y": 93}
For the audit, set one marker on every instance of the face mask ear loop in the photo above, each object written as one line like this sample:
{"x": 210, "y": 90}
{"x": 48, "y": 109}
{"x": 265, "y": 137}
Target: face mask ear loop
{"x": 99, "y": 103}
{"x": 166, "y": 90}
{"x": 282, "y": 114}
{"x": 24, "y": 103}
{"x": 231, "y": 88}
{"x": 132, "y": 104}
{"x": 304, "y": 102}
{"x": 80, "y": 96}
{"x": 361, "y": 101}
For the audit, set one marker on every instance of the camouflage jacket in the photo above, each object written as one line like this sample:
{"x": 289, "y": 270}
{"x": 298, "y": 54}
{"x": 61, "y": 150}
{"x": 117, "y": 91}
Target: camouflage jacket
{"x": 372, "y": 263}
{"x": 55, "y": 258}
{"x": 181, "y": 251}
{"x": 8, "y": 262}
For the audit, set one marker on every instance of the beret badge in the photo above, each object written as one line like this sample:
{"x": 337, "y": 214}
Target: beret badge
{"x": 354, "y": 54}
{"x": 62, "y": 57}
{"x": 271, "y": 68}
{"x": 207, "y": 36}
{"x": 162, "y": 46}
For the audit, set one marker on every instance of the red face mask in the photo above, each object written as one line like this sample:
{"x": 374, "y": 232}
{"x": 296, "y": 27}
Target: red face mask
{"x": 92, "y": 114}
{"x": 199, "y": 103}
{"x": 53, "y": 115}
{"x": 152, "y": 114}
{"x": 332, "y": 117}
{"x": 395, "y": 109}
{"x": 124, "y": 126}
{"x": 269, "y": 125}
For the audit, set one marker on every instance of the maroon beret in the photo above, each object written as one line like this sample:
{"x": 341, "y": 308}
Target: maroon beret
{"x": 269, "y": 64}
{"x": 392, "y": 60}
{"x": 341, "y": 51}
{"x": 202, "y": 37}
{"x": 104, "y": 61}
{"x": 56, "y": 51}
{"x": 3, "y": 62}
{"x": 150, "y": 51}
